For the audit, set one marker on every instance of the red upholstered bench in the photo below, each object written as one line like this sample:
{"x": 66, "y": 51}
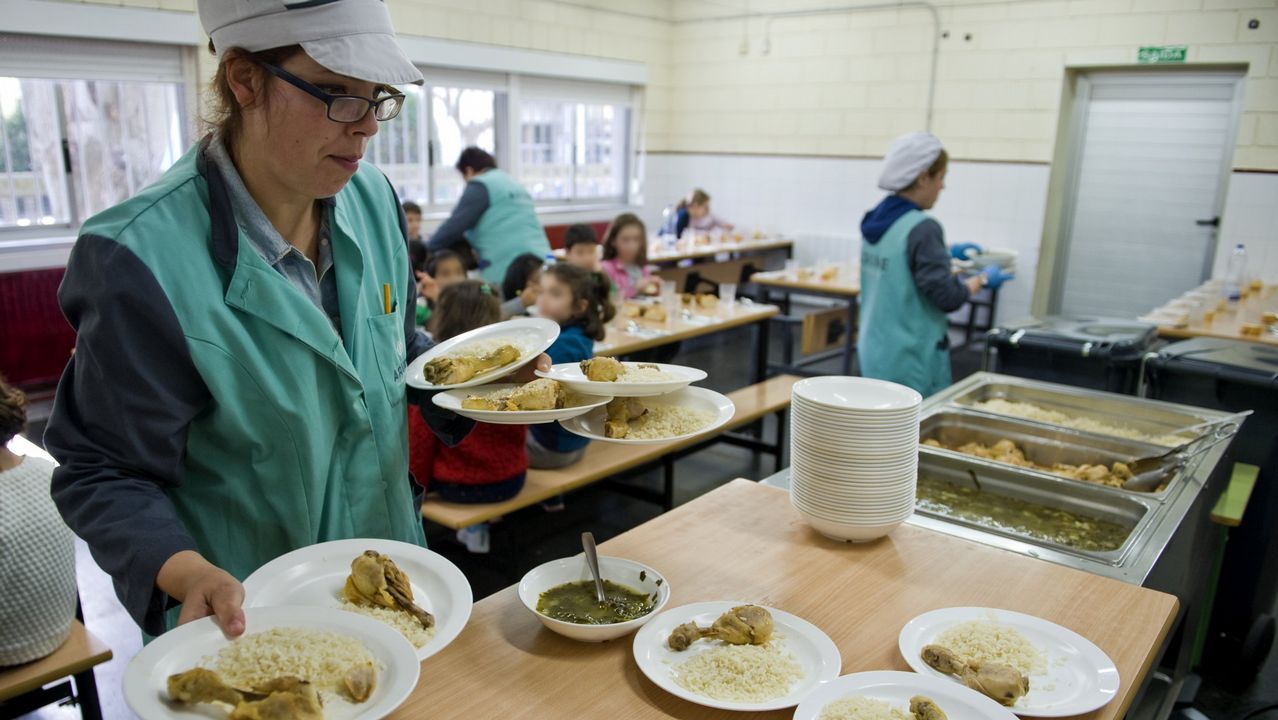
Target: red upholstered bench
{"x": 35, "y": 339}
{"x": 556, "y": 232}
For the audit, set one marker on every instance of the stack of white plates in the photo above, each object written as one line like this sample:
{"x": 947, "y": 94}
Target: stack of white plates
{"x": 854, "y": 455}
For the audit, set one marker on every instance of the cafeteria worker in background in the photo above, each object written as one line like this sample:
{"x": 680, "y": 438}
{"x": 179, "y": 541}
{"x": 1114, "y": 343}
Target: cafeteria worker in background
{"x": 495, "y": 214}
{"x": 243, "y": 324}
{"x": 907, "y": 286}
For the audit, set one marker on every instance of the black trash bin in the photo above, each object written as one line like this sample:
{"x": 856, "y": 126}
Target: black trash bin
{"x": 1234, "y": 376}
{"x": 1092, "y": 352}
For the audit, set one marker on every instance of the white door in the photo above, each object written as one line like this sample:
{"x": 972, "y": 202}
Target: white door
{"x": 1151, "y": 154}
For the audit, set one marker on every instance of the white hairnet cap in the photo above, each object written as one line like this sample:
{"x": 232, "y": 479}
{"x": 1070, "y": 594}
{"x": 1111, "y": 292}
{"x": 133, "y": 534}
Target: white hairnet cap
{"x": 908, "y": 157}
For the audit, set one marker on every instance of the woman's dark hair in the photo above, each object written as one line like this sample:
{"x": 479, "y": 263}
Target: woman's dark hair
{"x": 580, "y": 234}
{"x": 936, "y": 168}
{"x": 517, "y": 274}
{"x": 439, "y": 256}
{"x": 13, "y": 412}
{"x": 417, "y": 254}
{"x": 462, "y": 307}
{"x": 477, "y": 159}
{"x": 595, "y": 289}
{"x": 619, "y": 223}
{"x": 225, "y": 114}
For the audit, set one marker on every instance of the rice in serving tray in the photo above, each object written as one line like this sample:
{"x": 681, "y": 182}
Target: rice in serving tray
{"x": 1030, "y": 411}
{"x": 860, "y": 707}
{"x": 320, "y": 657}
{"x": 667, "y": 421}
{"x": 990, "y": 642}
{"x": 740, "y": 673}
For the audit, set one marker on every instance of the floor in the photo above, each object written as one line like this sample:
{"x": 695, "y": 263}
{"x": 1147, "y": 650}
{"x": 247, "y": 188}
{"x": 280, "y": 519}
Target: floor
{"x": 527, "y": 538}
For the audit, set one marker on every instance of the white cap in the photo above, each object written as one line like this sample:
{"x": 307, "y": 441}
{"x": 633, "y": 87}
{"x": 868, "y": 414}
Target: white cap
{"x": 908, "y": 157}
{"x": 350, "y": 37}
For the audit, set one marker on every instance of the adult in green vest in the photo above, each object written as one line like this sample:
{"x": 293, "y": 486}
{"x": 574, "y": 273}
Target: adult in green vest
{"x": 495, "y": 214}
{"x": 907, "y": 285}
{"x": 243, "y": 327}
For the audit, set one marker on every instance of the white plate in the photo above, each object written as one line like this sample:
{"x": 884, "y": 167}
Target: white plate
{"x": 186, "y": 647}
{"x": 958, "y": 702}
{"x": 452, "y": 400}
{"x": 858, "y": 394}
{"x": 591, "y": 425}
{"x": 531, "y": 335}
{"x": 314, "y": 576}
{"x": 814, "y": 650}
{"x": 574, "y": 379}
{"x": 1080, "y": 676}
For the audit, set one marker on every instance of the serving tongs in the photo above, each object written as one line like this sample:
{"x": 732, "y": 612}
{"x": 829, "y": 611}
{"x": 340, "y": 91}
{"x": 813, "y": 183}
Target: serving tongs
{"x": 1150, "y": 473}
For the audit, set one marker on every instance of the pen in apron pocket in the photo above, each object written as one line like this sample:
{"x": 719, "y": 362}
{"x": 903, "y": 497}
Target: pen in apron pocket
{"x": 386, "y": 297}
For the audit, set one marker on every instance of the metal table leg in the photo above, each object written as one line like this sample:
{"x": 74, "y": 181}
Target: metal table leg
{"x": 848, "y": 333}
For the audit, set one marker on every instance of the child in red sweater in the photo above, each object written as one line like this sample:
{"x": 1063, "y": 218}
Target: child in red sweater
{"x": 490, "y": 463}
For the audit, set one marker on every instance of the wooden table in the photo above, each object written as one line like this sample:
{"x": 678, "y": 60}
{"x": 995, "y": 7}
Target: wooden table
{"x": 701, "y": 252}
{"x": 743, "y": 541}
{"x": 1228, "y": 324}
{"x": 620, "y": 341}
{"x": 843, "y": 287}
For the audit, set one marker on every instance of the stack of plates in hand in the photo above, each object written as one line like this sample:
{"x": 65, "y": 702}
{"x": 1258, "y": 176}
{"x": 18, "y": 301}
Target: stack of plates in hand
{"x": 854, "y": 455}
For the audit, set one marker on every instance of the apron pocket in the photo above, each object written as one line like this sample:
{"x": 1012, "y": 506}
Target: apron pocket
{"x": 386, "y": 338}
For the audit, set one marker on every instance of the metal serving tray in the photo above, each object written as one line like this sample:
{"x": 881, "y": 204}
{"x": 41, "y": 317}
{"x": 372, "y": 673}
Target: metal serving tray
{"x": 1043, "y": 444}
{"x": 1146, "y": 416}
{"x": 1130, "y": 512}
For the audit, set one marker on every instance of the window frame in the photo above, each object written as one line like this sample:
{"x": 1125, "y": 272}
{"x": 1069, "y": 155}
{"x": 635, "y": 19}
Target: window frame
{"x": 63, "y": 59}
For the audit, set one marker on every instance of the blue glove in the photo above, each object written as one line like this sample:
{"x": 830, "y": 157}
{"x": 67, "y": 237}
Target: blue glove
{"x": 994, "y": 276}
{"x": 963, "y": 251}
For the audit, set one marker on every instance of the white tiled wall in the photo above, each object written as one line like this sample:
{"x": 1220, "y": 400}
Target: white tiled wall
{"x": 993, "y": 204}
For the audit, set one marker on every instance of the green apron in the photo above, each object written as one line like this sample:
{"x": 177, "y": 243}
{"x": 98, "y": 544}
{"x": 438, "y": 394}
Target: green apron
{"x": 508, "y": 228}
{"x": 305, "y": 437}
{"x": 901, "y": 334}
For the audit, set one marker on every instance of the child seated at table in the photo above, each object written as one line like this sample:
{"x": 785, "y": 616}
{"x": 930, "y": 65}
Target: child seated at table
{"x": 487, "y": 466}
{"x": 625, "y": 258}
{"x": 521, "y": 285}
{"x": 581, "y": 247}
{"x": 578, "y": 300}
{"x": 38, "y": 596}
{"x": 693, "y": 213}
{"x": 443, "y": 268}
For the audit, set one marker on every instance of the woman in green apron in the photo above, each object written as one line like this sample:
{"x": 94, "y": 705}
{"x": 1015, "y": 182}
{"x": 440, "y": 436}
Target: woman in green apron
{"x": 907, "y": 286}
{"x": 243, "y": 327}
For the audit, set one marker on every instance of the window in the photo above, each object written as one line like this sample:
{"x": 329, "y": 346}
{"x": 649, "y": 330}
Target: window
{"x": 573, "y": 151}
{"x": 417, "y": 149}
{"x": 83, "y": 126}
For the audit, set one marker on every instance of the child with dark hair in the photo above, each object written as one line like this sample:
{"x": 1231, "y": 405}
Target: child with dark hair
{"x": 521, "y": 286}
{"x": 625, "y": 257}
{"x": 579, "y": 301}
{"x": 38, "y": 595}
{"x": 581, "y": 247}
{"x": 490, "y": 463}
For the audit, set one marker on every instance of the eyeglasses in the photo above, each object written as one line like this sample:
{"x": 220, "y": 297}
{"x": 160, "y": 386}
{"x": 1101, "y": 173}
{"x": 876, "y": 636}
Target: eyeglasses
{"x": 343, "y": 108}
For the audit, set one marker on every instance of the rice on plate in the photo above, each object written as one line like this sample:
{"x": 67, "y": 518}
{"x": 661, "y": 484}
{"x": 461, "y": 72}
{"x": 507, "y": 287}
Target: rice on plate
{"x": 667, "y": 421}
{"x": 407, "y": 625}
{"x": 740, "y": 673}
{"x": 644, "y": 372}
{"x": 860, "y": 707}
{"x": 989, "y": 642}
{"x": 318, "y": 656}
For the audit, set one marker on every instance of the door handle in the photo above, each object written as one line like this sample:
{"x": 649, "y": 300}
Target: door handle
{"x": 1211, "y": 222}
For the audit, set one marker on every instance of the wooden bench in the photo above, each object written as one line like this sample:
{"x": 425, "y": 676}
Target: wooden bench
{"x": 22, "y": 688}
{"x": 603, "y": 460}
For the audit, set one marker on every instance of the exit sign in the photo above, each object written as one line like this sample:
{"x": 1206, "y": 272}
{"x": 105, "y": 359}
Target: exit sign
{"x": 1157, "y": 54}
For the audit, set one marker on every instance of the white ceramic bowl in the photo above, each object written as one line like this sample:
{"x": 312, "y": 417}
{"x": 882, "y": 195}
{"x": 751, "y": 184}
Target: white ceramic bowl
{"x": 574, "y": 569}
{"x": 850, "y": 533}
{"x": 854, "y": 516}
{"x": 858, "y": 394}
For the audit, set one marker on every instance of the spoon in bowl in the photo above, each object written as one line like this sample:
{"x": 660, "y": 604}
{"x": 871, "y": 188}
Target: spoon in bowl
{"x": 592, "y": 560}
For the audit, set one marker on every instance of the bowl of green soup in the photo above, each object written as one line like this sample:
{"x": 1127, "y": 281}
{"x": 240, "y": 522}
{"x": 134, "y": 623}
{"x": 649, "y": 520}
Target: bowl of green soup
{"x": 561, "y": 593}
